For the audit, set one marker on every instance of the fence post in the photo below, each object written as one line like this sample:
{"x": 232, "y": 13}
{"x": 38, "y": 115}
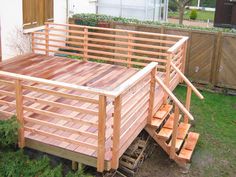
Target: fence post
{"x": 47, "y": 39}
{"x": 85, "y": 44}
{"x": 129, "y": 50}
{"x": 188, "y": 102}
{"x": 174, "y": 134}
{"x": 152, "y": 95}
{"x": 167, "y": 75}
{"x": 116, "y": 133}
{"x": 19, "y": 113}
{"x": 101, "y": 133}
{"x": 32, "y": 42}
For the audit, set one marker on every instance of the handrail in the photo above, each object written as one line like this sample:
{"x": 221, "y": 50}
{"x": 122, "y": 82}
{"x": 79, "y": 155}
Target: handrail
{"x": 174, "y": 98}
{"x": 57, "y": 84}
{"x": 187, "y": 81}
{"x": 176, "y": 46}
{"x": 134, "y": 79}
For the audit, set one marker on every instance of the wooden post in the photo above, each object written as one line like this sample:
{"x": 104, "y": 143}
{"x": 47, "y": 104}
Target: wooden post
{"x": 47, "y": 39}
{"x": 129, "y": 50}
{"x": 85, "y": 44}
{"x": 175, "y": 132}
{"x": 152, "y": 95}
{"x": 101, "y": 133}
{"x": 32, "y": 42}
{"x": 167, "y": 75}
{"x": 116, "y": 133}
{"x": 188, "y": 102}
{"x": 184, "y": 59}
{"x": 19, "y": 113}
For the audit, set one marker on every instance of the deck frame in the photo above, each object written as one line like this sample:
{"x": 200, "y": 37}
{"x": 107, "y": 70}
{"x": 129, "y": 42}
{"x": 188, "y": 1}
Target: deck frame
{"x": 125, "y": 125}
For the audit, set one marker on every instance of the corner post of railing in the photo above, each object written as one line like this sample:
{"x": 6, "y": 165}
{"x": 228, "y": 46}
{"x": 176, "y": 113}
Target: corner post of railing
{"x": 188, "y": 102}
{"x": 116, "y": 132}
{"x": 47, "y": 39}
{"x": 101, "y": 133}
{"x": 184, "y": 58}
{"x": 152, "y": 94}
{"x": 130, "y": 35}
{"x": 85, "y": 43}
{"x": 19, "y": 113}
{"x": 167, "y": 74}
{"x": 175, "y": 132}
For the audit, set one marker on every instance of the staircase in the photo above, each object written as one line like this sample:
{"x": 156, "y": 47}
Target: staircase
{"x": 170, "y": 126}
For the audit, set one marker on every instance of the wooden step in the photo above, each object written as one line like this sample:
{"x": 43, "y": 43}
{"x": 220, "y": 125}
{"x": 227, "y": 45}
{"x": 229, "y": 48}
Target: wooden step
{"x": 181, "y": 134}
{"x": 167, "y": 129}
{"x": 160, "y": 115}
{"x": 189, "y": 146}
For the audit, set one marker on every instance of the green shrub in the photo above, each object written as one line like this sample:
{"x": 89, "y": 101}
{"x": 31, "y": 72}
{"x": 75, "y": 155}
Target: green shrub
{"x": 8, "y": 132}
{"x": 193, "y": 15}
{"x": 173, "y": 6}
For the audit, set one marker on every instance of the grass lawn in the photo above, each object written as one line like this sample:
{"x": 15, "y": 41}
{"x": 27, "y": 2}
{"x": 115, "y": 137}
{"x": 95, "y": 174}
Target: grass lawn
{"x": 215, "y": 154}
{"x": 201, "y": 15}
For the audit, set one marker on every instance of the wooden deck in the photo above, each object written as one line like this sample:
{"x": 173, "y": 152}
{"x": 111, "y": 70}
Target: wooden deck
{"x": 91, "y": 109}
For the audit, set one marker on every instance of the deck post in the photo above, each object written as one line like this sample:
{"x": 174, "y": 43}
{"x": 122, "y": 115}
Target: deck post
{"x": 167, "y": 75}
{"x": 185, "y": 45}
{"x": 85, "y": 44}
{"x": 152, "y": 95}
{"x": 116, "y": 133}
{"x": 19, "y": 113}
{"x": 101, "y": 133}
{"x": 129, "y": 49}
{"x": 47, "y": 39}
{"x": 32, "y": 42}
{"x": 174, "y": 134}
{"x": 188, "y": 102}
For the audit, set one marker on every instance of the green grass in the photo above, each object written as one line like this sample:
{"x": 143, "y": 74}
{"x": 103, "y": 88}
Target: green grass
{"x": 215, "y": 120}
{"x": 201, "y": 15}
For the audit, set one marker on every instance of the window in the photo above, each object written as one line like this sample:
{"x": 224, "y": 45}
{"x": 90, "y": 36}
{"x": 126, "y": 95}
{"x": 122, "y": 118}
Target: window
{"x": 37, "y": 12}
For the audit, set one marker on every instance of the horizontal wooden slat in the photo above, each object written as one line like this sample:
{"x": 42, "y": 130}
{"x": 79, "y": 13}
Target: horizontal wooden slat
{"x": 10, "y": 104}
{"x": 60, "y": 116}
{"x": 61, "y": 127}
{"x": 6, "y": 93}
{"x": 61, "y": 105}
{"x": 66, "y": 139}
{"x": 8, "y": 83}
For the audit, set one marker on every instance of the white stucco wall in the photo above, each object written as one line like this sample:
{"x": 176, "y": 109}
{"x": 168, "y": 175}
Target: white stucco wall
{"x": 14, "y": 42}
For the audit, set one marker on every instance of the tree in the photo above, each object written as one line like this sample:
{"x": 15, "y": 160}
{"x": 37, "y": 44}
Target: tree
{"x": 181, "y": 6}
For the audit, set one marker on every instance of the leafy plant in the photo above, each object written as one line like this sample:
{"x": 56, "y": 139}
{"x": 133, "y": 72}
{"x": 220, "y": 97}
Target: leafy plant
{"x": 8, "y": 132}
{"x": 193, "y": 14}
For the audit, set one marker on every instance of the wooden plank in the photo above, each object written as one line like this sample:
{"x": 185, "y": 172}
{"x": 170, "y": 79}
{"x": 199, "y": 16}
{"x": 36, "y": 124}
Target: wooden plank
{"x": 101, "y": 133}
{"x": 116, "y": 133}
{"x": 19, "y": 113}
{"x": 174, "y": 133}
{"x": 188, "y": 102}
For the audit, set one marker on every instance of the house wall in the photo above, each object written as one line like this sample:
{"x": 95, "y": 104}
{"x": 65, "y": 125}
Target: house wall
{"x": 14, "y": 41}
{"x": 82, "y": 6}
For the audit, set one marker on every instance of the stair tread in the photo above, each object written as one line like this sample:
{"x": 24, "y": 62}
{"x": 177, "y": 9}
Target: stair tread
{"x": 189, "y": 146}
{"x": 167, "y": 129}
{"x": 181, "y": 134}
{"x": 160, "y": 115}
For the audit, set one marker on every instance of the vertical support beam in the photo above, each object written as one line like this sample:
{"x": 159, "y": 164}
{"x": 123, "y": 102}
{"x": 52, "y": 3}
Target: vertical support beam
{"x": 175, "y": 132}
{"x": 101, "y": 133}
{"x": 129, "y": 50}
{"x": 152, "y": 95}
{"x": 47, "y": 39}
{"x": 32, "y": 42}
{"x": 19, "y": 113}
{"x": 167, "y": 75}
{"x": 116, "y": 133}
{"x": 185, "y": 46}
{"x": 85, "y": 44}
{"x": 188, "y": 102}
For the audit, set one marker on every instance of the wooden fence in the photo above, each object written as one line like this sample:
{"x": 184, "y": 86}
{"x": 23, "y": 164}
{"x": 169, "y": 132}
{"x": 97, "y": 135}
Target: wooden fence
{"x": 211, "y": 56}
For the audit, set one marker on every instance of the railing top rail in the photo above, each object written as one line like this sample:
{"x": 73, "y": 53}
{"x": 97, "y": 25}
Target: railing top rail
{"x": 176, "y": 46}
{"x": 57, "y": 84}
{"x": 187, "y": 81}
{"x": 134, "y": 79}
{"x": 173, "y": 97}
{"x": 117, "y": 30}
